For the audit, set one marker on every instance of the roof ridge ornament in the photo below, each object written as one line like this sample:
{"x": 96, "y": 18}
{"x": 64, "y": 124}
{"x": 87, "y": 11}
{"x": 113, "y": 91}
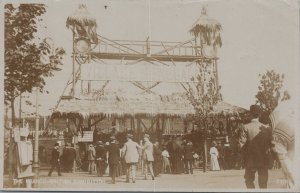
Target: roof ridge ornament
{"x": 204, "y": 10}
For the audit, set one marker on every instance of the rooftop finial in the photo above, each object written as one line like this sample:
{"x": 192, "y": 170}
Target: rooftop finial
{"x": 80, "y": 6}
{"x": 204, "y": 10}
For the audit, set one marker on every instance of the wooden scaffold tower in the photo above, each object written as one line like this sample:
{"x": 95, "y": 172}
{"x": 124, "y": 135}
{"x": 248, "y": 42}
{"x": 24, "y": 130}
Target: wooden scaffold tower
{"x": 141, "y": 85}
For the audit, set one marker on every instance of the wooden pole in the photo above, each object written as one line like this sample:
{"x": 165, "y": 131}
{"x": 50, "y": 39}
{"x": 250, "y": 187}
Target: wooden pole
{"x": 133, "y": 126}
{"x": 11, "y": 144}
{"x": 89, "y": 123}
{"x": 36, "y": 138}
{"x": 20, "y": 111}
{"x": 73, "y": 67}
{"x": 163, "y": 124}
{"x": 117, "y": 124}
{"x": 139, "y": 128}
{"x": 205, "y": 147}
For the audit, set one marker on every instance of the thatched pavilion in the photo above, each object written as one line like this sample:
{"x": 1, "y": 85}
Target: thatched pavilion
{"x": 140, "y": 86}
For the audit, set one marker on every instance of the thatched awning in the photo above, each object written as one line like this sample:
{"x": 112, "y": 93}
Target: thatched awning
{"x": 112, "y": 104}
{"x": 81, "y": 17}
{"x": 144, "y": 104}
{"x": 226, "y": 109}
{"x": 207, "y": 29}
{"x": 83, "y": 23}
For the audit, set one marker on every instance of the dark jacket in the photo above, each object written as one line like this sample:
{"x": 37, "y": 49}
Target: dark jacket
{"x": 188, "y": 151}
{"x": 221, "y": 151}
{"x": 68, "y": 156}
{"x": 55, "y": 156}
{"x": 113, "y": 154}
{"x": 156, "y": 153}
{"x": 255, "y": 143}
{"x": 100, "y": 152}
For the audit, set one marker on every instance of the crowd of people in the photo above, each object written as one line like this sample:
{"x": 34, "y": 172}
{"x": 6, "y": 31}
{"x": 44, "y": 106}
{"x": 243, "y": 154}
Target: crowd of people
{"x": 173, "y": 154}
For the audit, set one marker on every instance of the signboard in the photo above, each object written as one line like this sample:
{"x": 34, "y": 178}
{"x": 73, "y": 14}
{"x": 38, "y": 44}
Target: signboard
{"x": 85, "y": 136}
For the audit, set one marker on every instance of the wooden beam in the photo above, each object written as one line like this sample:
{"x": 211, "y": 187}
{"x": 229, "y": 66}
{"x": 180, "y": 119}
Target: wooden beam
{"x": 152, "y": 86}
{"x": 143, "y": 57}
{"x": 133, "y": 121}
{"x": 141, "y": 86}
{"x": 163, "y": 124}
{"x": 143, "y": 124}
{"x": 101, "y": 38}
{"x": 139, "y": 128}
{"x": 174, "y": 47}
{"x": 89, "y": 122}
{"x": 168, "y": 53}
{"x": 97, "y": 121}
{"x": 153, "y": 121}
{"x": 184, "y": 87}
{"x": 104, "y": 85}
{"x": 158, "y": 123}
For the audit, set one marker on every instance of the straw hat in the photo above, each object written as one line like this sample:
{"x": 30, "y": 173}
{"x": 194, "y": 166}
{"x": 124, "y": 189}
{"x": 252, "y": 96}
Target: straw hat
{"x": 214, "y": 143}
{"x": 112, "y": 138}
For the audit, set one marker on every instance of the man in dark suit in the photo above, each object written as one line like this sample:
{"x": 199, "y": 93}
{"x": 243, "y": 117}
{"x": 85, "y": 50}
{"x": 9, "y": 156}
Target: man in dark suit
{"x": 113, "y": 158}
{"x": 188, "y": 157}
{"x": 68, "y": 157}
{"x": 100, "y": 158}
{"x": 255, "y": 144}
{"x": 55, "y": 160}
{"x": 157, "y": 164}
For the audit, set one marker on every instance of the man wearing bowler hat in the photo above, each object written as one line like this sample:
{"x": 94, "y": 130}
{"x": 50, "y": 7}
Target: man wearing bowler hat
{"x": 100, "y": 158}
{"x": 113, "y": 157}
{"x": 55, "y": 160}
{"x": 255, "y": 144}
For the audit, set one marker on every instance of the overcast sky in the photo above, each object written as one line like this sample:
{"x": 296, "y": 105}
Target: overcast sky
{"x": 257, "y": 36}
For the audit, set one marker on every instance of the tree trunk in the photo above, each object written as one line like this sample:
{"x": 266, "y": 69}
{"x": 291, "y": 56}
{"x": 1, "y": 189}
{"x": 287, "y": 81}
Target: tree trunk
{"x": 89, "y": 123}
{"x": 10, "y": 150}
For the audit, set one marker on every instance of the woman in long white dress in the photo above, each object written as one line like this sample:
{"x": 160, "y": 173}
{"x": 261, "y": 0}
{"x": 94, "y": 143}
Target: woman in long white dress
{"x": 214, "y": 164}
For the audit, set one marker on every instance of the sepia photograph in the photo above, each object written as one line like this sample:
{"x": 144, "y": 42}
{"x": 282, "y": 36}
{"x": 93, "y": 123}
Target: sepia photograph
{"x": 150, "y": 95}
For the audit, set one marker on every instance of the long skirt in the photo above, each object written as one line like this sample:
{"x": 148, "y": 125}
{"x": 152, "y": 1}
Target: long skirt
{"x": 214, "y": 164}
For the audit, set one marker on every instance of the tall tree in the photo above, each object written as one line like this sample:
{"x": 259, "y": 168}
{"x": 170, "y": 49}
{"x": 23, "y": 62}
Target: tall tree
{"x": 24, "y": 68}
{"x": 270, "y": 91}
{"x": 203, "y": 95}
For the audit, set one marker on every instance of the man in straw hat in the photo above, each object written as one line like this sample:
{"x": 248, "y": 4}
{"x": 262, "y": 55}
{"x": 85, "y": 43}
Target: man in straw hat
{"x": 148, "y": 156}
{"x": 130, "y": 152}
{"x": 255, "y": 143}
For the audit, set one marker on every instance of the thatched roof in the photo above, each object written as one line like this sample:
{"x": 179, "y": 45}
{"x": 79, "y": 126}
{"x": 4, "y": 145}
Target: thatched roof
{"x": 208, "y": 29}
{"x": 115, "y": 104}
{"x": 81, "y": 17}
{"x": 226, "y": 109}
